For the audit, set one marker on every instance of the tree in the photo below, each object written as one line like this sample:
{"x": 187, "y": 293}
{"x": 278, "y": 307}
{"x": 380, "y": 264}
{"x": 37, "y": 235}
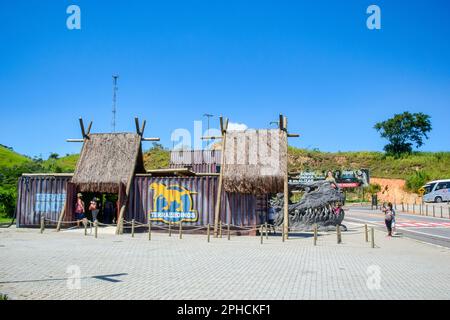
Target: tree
{"x": 404, "y": 130}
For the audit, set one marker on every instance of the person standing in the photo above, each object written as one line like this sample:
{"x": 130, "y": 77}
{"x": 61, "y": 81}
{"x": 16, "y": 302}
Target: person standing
{"x": 393, "y": 224}
{"x": 79, "y": 210}
{"x": 93, "y": 208}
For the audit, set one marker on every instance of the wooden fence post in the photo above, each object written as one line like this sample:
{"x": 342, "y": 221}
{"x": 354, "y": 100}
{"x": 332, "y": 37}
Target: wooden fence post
{"x": 208, "y": 232}
{"x": 181, "y": 230}
{"x": 315, "y": 234}
{"x": 85, "y": 229}
{"x": 366, "y": 232}
{"x": 338, "y": 233}
{"x": 261, "y": 233}
{"x": 267, "y": 232}
{"x": 96, "y": 228}
{"x": 229, "y": 235}
{"x": 442, "y": 214}
{"x": 434, "y": 211}
{"x": 42, "y": 223}
{"x": 170, "y": 228}
{"x": 132, "y": 228}
{"x": 149, "y": 229}
{"x": 372, "y": 236}
{"x": 220, "y": 228}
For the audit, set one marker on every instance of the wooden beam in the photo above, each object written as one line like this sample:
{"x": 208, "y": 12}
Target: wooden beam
{"x": 293, "y": 135}
{"x": 223, "y": 126}
{"x": 211, "y": 137}
{"x": 75, "y": 140}
{"x": 61, "y": 215}
{"x": 136, "y": 122}
{"x": 150, "y": 139}
{"x": 83, "y": 132}
{"x": 89, "y": 129}
{"x": 143, "y": 127}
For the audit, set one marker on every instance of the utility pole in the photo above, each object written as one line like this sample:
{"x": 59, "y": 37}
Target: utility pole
{"x": 114, "y": 110}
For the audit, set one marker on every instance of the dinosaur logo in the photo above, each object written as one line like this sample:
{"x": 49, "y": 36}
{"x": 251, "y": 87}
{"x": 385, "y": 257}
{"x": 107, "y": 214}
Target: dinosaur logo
{"x": 172, "y": 203}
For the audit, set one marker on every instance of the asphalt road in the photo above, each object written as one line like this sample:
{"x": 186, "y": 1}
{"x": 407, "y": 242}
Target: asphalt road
{"x": 423, "y": 228}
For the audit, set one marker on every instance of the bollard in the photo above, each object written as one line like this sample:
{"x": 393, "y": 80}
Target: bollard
{"x": 442, "y": 212}
{"x": 267, "y": 232}
{"x": 229, "y": 234}
{"x": 315, "y": 234}
{"x": 170, "y": 228}
{"x": 149, "y": 229}
{"x": 403, "y": 207}
{"x": 426, "y": 210}
{"x": 282, "y": 233}
{"x": 42, "y": 224}
{"x": 434, "y": 211}
{"x": 407, "y": 207}
{"x": 420, "y": 209}
{"x": 449, "y": 212}
{"x": 414, "y": 208}
{"x": 208, "y": 232}
{"x": 132, "y": 228}
{"x": 338, "y": 233}
{"x": 85, "y": 229}
{"x": 96, "y": 228}
{"x": 366, "y": 232}
{"x": 261, "y": 233}
{"x": 220, "y": 229}
{"x": 372, "y": 236}
{"x": 181, "y": 230}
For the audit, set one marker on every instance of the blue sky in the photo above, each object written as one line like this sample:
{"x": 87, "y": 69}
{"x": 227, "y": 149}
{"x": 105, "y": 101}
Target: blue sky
{"x": 314, "y": 61}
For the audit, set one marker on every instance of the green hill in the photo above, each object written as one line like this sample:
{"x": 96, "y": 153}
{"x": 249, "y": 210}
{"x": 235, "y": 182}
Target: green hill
{"x": 10, "y": 158}
{"x": 436, "y": 165}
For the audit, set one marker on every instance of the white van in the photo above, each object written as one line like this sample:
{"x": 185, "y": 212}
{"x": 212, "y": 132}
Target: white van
{"x": 437, "y": 191}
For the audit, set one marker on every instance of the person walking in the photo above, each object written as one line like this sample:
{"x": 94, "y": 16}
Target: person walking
{"x": 388, "y": 217}
{"x": 393, "y": 224}
{"x": 93, "y": 208}
{"x": 79, "y": 210}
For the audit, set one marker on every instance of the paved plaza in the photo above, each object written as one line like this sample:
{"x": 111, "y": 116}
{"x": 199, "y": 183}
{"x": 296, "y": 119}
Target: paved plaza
{"x": 69, "y": 265}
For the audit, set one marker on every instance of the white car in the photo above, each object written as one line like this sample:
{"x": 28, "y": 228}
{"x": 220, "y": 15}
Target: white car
{"x": 437, "y": 191}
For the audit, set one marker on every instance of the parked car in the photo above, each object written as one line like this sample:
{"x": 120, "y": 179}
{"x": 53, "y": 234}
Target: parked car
{"x": 436, "y": 191}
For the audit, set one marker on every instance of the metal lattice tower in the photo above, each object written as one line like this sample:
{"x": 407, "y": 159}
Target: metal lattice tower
{"x": 114, "y": 110}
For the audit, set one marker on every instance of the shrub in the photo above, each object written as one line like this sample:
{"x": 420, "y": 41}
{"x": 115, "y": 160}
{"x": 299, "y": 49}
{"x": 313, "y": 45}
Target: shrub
{"x": 416, "y": 180}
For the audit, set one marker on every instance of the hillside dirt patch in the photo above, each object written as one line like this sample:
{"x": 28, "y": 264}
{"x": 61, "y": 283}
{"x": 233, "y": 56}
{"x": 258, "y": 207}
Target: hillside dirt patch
{"x": 393, "y": 190}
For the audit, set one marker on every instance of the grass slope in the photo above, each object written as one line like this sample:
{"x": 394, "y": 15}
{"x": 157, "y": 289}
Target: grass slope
{"x": 9, "y": 158}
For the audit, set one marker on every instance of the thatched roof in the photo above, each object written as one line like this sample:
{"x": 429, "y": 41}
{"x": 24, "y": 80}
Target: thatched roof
{"x": 255, "y": 161}
{"x": 108, "y": 160}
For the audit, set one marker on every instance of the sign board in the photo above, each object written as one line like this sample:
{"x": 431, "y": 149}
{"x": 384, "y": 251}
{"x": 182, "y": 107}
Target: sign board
{"x": 343, "y": 178}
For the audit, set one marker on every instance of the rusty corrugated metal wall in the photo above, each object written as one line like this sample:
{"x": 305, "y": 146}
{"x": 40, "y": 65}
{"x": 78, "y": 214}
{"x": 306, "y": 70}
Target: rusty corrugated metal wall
{"x": 40, "y": 195}
{"x": 201, "y": 161}
{"x": 237, "y": 209}
{"x": 47, "y": 194}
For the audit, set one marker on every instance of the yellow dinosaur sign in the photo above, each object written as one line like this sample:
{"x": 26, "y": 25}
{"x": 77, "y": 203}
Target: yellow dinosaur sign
{"x": 172, "y": 203}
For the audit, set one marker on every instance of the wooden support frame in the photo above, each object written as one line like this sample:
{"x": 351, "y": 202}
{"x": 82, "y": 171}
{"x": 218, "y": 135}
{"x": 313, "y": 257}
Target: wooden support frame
{"x": 283, "y": 126}
{"x": 84, "y": 133}
{"x": 223, "y": 129}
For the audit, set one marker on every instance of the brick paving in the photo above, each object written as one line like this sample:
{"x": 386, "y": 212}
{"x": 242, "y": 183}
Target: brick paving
{"x": 34, "y": 266}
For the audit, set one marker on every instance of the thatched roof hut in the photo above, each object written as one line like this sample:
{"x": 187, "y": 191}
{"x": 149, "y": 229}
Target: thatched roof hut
{"x": 255, "y": 161}
{"x": 107, "y": 161}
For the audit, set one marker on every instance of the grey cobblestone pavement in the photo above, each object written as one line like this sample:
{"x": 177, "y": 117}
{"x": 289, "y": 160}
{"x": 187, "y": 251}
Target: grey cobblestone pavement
{"x": 35, "y": 266}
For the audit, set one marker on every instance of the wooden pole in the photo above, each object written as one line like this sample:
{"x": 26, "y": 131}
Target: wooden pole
{"x": 149, "y": 228}
{"x": 283, "y": 127}
{"x": 96, "y": 228}
{"x": 261, "y": 233}
{"x": 220, "y": 229}
{"x": 61, "y": 215}
{"x": 366, "y": 232}
{"x": 434, "y": 211}
{"x": 372, "y": 236}
{"x": 85, "y": 229}
{"x": 132, "y": 228}
{"x": 442, "y": 213}
{"x": 282, "y": 232}
{"x": 338, "y": 233}
{"x": 42, "y": 224}
{"x": 181, "y": 230}
{"x": 170, "y": 228}
{"x": 267, "y": 232}
{"x": 229, "y": 233}
{"x": 315, "y": 234}
{"x": 223, "y": 127}
{"x": 208, "y": 232}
